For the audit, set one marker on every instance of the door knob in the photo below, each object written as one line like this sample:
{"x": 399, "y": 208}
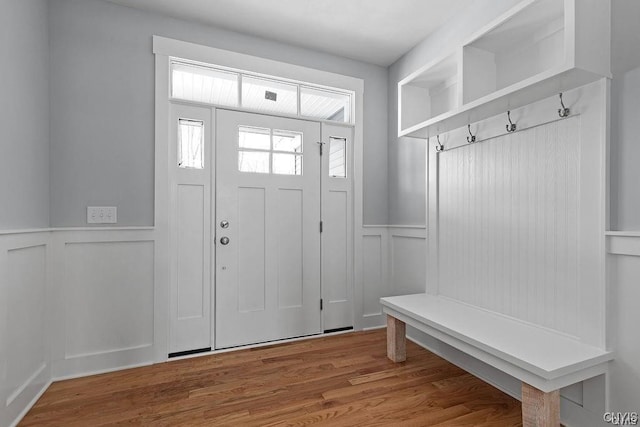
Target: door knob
{"x": 224, "y": 240}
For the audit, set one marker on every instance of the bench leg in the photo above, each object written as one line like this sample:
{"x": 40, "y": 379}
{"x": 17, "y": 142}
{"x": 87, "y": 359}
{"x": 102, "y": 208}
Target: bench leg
{"x": 540, "y": 409}
{"x": 396, "y": 340}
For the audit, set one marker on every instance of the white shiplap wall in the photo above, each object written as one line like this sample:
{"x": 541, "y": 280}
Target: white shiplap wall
{"x": 517, "y": 220}
{"x": 509, "y": 215}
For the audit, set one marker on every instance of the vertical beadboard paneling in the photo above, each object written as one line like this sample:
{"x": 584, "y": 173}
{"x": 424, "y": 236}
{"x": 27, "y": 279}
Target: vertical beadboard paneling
{"x": 573, "y": 288}
{"x": 509, "y": 217}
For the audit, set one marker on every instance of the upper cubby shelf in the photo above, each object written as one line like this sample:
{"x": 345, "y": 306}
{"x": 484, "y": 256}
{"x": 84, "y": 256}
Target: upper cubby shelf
{"x": 536, "y": 49}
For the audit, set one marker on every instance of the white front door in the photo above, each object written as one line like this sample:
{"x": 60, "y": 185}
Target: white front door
{"x": 267, "y": 228}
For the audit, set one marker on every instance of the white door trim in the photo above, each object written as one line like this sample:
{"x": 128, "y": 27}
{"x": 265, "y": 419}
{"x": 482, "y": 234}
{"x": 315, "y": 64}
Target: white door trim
{"x": 164, "y": 49}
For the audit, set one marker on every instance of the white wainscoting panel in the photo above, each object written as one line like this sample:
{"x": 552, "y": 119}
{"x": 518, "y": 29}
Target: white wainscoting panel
{"x": 26, "y": 354}
{"x": 392, "y": 263}
{"x": 105, "y": 301}
{"x": 375, "y": 277}
{"x": 24, "y": 323}
{"x": 73, "y": 302}
{"x": 109, "y": 290}
{"x": 408, "y": 250}
{"x": 624, "y": 318}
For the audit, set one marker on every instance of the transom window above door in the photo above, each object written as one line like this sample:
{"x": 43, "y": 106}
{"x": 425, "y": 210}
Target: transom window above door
{"x": 269, "y": 151}
{"x": 238, "y": 89}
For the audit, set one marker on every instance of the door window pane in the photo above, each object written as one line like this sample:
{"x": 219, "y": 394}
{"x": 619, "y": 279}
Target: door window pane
{"x": 269, "y": 95}
{"x": 190, "y": 144}
{"x": 253, "y": 161}
{"x": 287, "y": 164}
{"x": 261, "y": 150}
{"x": 254, "y": 138}
{"x": 325, "y": 104}
{"x": 202, "y": 84}
{"x": 287, "y": 141}
{"x": 338, "y": 157}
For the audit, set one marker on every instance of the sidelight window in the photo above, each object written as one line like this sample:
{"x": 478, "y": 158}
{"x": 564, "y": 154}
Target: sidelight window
{"x": 190, "y": 144}
{"x": 337, "y": 157}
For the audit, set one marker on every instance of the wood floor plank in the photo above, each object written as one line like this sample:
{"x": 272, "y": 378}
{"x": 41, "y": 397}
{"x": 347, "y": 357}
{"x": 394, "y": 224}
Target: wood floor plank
{"x": 342, "y": 380}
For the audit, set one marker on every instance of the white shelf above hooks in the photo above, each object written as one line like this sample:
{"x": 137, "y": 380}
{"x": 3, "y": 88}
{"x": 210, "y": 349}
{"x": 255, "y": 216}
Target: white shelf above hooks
{"x": 537, "y": 49}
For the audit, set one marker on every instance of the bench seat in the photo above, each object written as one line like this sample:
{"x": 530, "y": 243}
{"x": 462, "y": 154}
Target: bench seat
{"x": 541, "y": 358}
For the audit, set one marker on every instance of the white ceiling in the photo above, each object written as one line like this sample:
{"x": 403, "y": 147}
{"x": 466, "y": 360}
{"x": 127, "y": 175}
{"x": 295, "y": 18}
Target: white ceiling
{"x": 375, "y": 31}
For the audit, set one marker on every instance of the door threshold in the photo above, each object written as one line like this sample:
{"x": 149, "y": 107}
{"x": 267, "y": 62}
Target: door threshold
{"x": 189, "y": 352}
{"x": 346, "y": 328}
{"x": 265, "y": 344}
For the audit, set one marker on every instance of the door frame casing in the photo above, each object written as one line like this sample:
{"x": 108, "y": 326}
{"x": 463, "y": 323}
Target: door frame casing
{"x": 165, "y": 49}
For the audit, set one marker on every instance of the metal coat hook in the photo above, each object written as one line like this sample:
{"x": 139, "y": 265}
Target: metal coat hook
{"x": 511, "y": 127}
{"x": 439, "y": 146}
{"x": 564, "y": 111}
{"x": 471, "y": 138}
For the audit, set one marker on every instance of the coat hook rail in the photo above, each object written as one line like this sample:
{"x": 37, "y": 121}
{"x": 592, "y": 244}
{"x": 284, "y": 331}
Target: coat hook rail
{"x": 564, "y": 111}
{"x": 511, "y": 127}
{"x": 471, "y": 138}
{"x": 439, "y": 146}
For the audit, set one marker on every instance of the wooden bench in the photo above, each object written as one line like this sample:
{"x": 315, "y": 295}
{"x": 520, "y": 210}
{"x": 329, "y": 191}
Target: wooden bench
{"x": 543, "y": 360}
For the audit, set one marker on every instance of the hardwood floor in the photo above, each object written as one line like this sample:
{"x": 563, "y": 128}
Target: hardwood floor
{"x": 343, "y": 380}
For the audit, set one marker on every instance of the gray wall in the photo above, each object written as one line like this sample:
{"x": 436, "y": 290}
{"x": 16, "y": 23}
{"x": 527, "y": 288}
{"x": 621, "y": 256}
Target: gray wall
{"x": 625, "y": 151}
{"x": 625, "y": 111}
{"x": 407, "y": 155}
{"x": 24, "y": 115}
{"x": 102, "y": 121}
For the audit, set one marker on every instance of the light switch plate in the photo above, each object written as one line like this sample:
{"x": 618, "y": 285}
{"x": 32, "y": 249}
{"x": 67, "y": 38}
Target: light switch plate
{"x": 102, "y": 215}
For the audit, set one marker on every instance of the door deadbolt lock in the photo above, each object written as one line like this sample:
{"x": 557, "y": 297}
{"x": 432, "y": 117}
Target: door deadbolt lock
{"x": 224, "y": 240}
{"x": 224, "y": 223}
